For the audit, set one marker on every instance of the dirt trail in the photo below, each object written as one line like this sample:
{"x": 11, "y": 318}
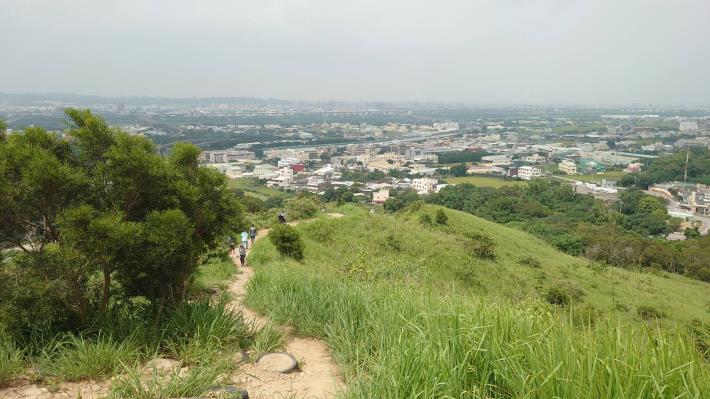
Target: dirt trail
{"x": 318, "y": 376}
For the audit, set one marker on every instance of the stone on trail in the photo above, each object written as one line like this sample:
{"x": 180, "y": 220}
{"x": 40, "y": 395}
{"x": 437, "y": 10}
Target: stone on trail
{"x": 280, "y": 362}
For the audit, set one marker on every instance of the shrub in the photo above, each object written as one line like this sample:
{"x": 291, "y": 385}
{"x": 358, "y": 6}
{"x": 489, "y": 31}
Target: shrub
{"x": 393, "y": 242}
{"x": 252, "y": 204}
{"x": 287, "y": 241}
{"x": 648, "y": 312}
{"x": 11, "y": 359}
{"x": 557, "y": 296}
{"x": 530, "y": 261}
{"x": 321, "y": 231}
{"x": 441, "y": 217}
{"x": 425, "y": 219}
{"x": 482, "y": 246}
{"x": 302, "y": 206}
{"x": 563, "y": 293}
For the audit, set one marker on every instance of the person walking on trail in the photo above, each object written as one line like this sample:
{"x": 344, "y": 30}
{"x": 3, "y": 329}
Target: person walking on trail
{"x": 245, "y": 239}
{"x": 282, "y": 217}
{"x": 252, "y": 234}
{"x": 232, "y": 246}
{"x": 242, "y": 254}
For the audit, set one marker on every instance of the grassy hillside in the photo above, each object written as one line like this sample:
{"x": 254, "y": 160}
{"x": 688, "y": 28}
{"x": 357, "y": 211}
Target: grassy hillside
{"x": 484, "y": 181}
{"x": 401, "y": 250}
{"x": 410, "y": 311}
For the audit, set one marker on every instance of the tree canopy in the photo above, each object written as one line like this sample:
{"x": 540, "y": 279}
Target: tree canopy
{"x": 97, "y": 204}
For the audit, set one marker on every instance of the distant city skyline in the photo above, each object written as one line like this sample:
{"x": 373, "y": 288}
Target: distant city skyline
{"x": 476, "y": 52}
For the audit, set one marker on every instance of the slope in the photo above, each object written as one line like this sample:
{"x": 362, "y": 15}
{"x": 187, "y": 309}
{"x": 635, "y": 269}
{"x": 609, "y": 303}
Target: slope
{"x": 409, "y": 312}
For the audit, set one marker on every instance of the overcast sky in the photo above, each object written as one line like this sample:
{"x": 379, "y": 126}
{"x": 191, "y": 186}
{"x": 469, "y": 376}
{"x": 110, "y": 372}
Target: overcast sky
{"x": 472, "y": 51}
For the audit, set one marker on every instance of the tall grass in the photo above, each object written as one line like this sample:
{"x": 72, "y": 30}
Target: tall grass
{"x": 73, "y": 357}
{"x": 194, "y": 382}
{"x": 268, "y": 339}
{"x": 208, "y": 324}
{"x": 396, "y": 342}
{"x": 11, "y": 359}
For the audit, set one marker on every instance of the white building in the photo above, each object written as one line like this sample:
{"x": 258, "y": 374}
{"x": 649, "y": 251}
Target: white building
{"x": 568, "y": 167}
{"x": 688, "y": 126}
{"x": 529, "y": 172}
{"x": 424, "y": 185}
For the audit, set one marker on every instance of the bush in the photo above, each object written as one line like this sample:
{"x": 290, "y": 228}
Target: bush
{"x": 441, "y": 217}
{"x": 11, "y": 359}
{"x": 563, "y": 293}
{"x": 530, "y": 262}
{"x": 425, "y": 219}
{"x": 252, "y": 204}
{"x": 557, "y": 296}
{"x": 287, "y": 241}
{"x": 482, "y": 246}
{"x": 648, "y": 312}
{"x": 301, "y": 207}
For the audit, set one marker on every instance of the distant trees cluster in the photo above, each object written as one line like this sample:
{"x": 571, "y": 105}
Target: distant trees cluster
{"x": 461, "y": 156}
{"x": 672, "y": 168}
{"x": 101, "y": 219}
{"x": 621, "y": 234}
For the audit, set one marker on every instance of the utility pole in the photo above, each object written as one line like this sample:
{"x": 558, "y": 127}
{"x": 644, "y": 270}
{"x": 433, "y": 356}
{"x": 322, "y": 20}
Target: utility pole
{"x": 687, "y": 156}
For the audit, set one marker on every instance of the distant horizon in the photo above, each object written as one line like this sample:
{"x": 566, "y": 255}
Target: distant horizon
{"x": 352, "y": 102}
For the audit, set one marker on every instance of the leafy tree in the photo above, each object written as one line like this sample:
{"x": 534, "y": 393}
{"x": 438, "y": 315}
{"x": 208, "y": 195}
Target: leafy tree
{"x": 304, "y": 205}
{"x": 458, "y": 170}
{"x": 107, "y": 204}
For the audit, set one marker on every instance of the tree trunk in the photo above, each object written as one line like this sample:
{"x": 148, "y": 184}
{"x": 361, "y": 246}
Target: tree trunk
{"x": 107, "y": 288}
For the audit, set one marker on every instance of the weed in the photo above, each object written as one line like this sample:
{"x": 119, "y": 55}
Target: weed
{"x": 11, "y": 359}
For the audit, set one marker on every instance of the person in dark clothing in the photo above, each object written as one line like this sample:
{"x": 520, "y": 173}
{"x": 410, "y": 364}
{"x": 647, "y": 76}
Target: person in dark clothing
{"x": 242, "y": 254}
{"x": 252, "y": 234}
{"x": 282, "y": 217}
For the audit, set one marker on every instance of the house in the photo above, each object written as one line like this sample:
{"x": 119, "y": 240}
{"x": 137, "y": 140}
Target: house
{"x": 529, "y": 172}
{"x": 379, "y": 197}
{"x": 568, "y": 167}
{"x": 424, "y": 185}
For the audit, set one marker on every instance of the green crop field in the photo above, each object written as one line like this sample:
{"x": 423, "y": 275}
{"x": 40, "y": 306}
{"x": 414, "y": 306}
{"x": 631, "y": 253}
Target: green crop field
{"x": 413, "y": 309}
{"x": 597, "y": 178}
{"x": 253, "y": 187}
{"x": 484, "y": 181}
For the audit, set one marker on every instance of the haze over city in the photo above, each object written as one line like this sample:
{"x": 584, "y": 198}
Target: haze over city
{"x": 474, "y": 52}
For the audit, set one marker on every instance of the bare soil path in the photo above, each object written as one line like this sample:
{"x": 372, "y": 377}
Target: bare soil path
{"x": 317, "y": 377}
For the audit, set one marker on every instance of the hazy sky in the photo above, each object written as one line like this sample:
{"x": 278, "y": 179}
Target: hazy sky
{"x": 473, "y": 51}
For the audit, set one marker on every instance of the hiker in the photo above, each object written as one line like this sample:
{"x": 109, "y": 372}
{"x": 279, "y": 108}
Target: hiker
{"x": 242, "y": 254}
{"x": 245, "y": 239}
{"x": 282, "y": 217}
{"x": 232, "y": 246}
{"x": 252, "y": 234}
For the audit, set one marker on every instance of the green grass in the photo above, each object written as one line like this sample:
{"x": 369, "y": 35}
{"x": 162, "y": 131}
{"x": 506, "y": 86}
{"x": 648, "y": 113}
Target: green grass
{"x": 253, "y": 187}
{"x": 213, "y": 274}
{"x": 410, "y": 312}
{"x": 196, "y": 382}
{"x": 597, "y": 178}
{"x": 11, "y": 360}
{"x": 268, "y": 339}
{"x": 484, "y": 181}
{"x": 74, "y": 358}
